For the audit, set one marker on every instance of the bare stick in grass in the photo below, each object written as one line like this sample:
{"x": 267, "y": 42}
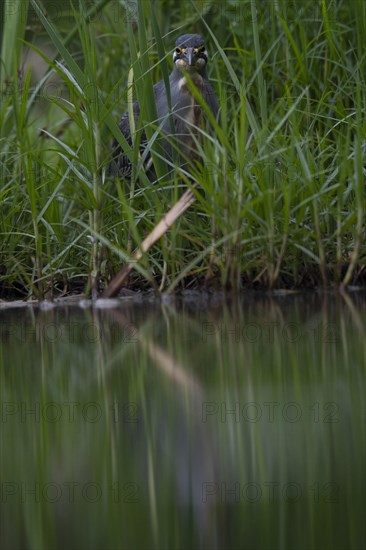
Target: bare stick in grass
{"x": 159, "y": 230}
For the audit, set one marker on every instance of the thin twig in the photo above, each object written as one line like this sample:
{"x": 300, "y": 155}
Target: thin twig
{"x": 159, "y": 230}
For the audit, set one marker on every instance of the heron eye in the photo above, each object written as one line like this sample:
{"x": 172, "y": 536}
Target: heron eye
{"x": 178, "y": 50}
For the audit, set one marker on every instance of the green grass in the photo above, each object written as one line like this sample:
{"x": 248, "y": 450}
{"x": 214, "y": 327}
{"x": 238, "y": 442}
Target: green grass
{"x": 281, "y": 197}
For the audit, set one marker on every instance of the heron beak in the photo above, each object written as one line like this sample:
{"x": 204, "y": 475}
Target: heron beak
{"x": 190, "y": 56}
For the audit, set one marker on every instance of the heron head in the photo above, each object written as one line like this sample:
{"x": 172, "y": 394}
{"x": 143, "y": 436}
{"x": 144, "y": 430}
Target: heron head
{"x": 190, "y": 53}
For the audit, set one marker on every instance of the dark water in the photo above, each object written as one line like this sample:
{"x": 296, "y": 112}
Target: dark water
{"x": 201, "y": 423}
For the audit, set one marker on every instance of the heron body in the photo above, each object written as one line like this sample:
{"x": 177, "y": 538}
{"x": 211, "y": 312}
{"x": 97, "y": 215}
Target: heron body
{"x": 190, "y": 61}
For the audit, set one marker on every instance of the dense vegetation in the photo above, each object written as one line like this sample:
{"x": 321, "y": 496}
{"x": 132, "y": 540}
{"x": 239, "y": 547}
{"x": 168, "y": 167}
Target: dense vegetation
{"x": 281, "y": 197}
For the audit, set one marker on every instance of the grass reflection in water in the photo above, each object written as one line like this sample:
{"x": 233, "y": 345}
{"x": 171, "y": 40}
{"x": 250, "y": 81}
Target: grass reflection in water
{"x": 201, "y": 423}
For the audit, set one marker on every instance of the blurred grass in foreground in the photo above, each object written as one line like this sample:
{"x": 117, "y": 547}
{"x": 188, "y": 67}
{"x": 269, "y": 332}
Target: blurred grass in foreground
{"x": 281, "y": 200}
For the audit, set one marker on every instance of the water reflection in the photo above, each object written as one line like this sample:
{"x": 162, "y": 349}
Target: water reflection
{"x": 201, "y": 422}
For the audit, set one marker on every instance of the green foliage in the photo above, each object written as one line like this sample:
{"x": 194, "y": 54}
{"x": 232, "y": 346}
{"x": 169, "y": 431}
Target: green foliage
{"x": 281, "y": 196}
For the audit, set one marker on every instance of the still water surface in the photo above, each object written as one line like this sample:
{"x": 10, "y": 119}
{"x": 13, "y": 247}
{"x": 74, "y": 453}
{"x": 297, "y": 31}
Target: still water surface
{"x": 196, "y": 423}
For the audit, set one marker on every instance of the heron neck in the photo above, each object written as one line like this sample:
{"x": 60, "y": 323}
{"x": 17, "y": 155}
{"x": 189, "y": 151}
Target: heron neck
{"x": 177, "y": 73}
